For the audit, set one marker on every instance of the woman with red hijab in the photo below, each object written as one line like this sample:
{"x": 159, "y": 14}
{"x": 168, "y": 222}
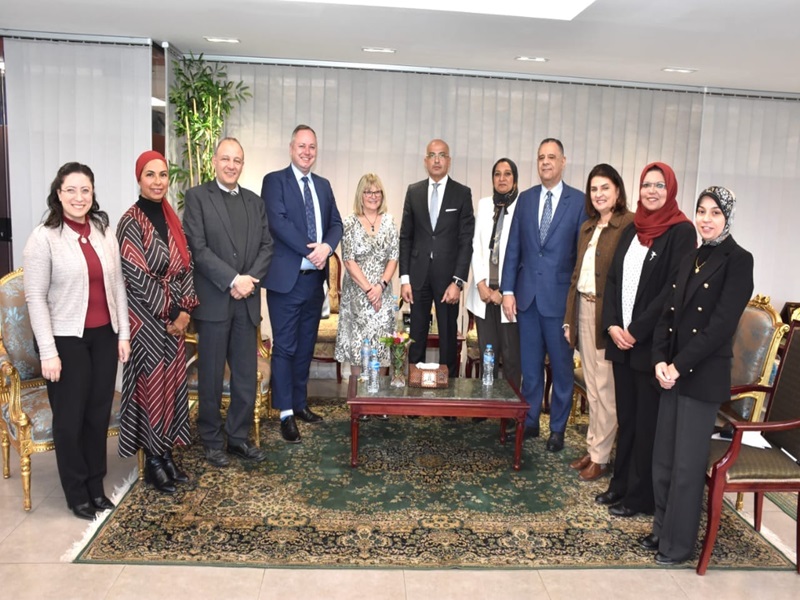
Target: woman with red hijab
{"x": 157, "y": 268}
{"x": 641, "y": 276}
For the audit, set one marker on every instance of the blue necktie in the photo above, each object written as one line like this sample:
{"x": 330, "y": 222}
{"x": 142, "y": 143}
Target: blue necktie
{"x": 311, "y": 221}
{"x": 547, "y": 216}
{"x": 434, "y": 205}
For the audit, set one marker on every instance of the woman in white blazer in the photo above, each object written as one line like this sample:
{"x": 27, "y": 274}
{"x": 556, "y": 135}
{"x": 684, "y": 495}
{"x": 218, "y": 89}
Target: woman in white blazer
{"x": 484, "y": 299}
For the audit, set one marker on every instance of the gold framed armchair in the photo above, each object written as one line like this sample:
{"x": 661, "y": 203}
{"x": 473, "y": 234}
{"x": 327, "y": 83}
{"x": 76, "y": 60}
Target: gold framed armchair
{"x": 329, "y": 325}
{"x": 25, "y": 415}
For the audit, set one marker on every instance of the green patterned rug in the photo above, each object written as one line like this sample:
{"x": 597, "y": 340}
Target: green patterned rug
{"x": 428, "y": 494}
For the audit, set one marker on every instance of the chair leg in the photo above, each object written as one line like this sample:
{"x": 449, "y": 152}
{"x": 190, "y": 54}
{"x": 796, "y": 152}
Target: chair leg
{"x": 797, "y": 534}
{"x": 714, "y": 511}
{"x": 140, "y": 460}
{"x": 25, "y": 475}
{"x": 6, "y": 456}
{"x": 757, "y": 508}
{"x": 739, "y": 501}
{"x": 338, "y": 372}
{"x": 257, "y": 415}
{"x": 573, "y": 413}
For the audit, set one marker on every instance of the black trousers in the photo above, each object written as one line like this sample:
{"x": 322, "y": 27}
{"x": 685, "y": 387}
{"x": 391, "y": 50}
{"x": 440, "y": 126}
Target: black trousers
{"x": 504, "y": 338}
{"x": 81, "y": 404}
{"x": 446, "y": 320}
{"x": 637, "y": 414}
{"x": 680, "y": 458}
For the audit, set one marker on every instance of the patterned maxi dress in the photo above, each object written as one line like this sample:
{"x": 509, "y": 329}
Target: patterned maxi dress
{"x": 357, "y": 318}
{"x": 155, "y": 403}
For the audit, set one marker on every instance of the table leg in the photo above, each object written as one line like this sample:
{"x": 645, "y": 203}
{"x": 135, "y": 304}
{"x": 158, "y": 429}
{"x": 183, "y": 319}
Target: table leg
{"x": 502, "y": 431}
{"x": 518, "y": 444}
{"x": 353, "y": 439}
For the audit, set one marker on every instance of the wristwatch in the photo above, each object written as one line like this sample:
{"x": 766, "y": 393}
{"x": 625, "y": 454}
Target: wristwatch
{"x": 459, "y": 283}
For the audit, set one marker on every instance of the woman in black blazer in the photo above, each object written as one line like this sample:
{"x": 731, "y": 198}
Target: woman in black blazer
{"x": 645, "y": 261}
{"x": 692, "y": 351}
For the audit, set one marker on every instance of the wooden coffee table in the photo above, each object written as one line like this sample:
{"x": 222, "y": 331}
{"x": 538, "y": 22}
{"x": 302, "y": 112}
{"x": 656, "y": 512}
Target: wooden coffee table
{"x": 462, "y": 398}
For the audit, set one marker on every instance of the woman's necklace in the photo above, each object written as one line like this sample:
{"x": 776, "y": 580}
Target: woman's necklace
{"x": 82, "y": 229}
{"x": 372, "y": 223}
{"x": 699, "y": 266}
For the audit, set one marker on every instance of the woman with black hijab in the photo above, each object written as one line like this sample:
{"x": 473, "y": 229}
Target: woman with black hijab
{"x": 692, "y": 352}
{"x": 484, "y": 298}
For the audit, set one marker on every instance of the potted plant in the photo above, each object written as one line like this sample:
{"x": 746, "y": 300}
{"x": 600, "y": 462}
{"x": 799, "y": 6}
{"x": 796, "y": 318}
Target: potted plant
{"x": 203, "y": 98}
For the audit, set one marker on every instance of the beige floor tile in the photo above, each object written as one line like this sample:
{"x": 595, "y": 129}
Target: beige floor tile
{"x": 62, "y": 581}
{"x": 509, "y": 584}
{"x": 190, "y": 583}
{"x": 333, "y": 584}
{"x": 620, "y": 584}
{"x": 44, "y": 535}
{"x": 12, "y": 513}
{"x": 735, "y": 585}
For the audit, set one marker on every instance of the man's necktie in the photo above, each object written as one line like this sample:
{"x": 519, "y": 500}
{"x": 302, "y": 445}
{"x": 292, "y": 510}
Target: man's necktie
{"x": 547, "y": 216}
{"x": 311, "y": 222}
{"x": 434, "y": 205}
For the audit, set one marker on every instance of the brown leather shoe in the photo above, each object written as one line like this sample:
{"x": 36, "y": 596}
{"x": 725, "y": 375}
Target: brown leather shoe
{"x": 581, "y": 463}
{"x": 593, "y": 471}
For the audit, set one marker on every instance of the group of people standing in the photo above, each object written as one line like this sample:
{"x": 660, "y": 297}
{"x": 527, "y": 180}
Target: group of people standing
{"x": 553, "y": 269}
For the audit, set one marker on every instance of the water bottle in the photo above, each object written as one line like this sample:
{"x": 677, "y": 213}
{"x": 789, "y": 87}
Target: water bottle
{"x": 374, "y": 372}
{"x": 488, "y": 365}
{"x": 366, "y": 352}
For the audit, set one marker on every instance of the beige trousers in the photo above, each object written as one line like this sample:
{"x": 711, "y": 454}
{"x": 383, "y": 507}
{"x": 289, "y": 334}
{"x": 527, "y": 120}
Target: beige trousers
{"x": 599, "y": 378}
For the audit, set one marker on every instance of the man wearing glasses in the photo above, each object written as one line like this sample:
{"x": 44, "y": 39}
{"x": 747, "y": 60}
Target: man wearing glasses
{"x": 435, "y": 253}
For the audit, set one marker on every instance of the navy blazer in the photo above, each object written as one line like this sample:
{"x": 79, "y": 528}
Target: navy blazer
{"x": 451, "y": 242}
{"x": 542, "y": 272}
{"x": 696, "y": 329}
{"x": 210, "y": 234}
{"x": 287, "y": 222}
{"x": 659, "y": 269}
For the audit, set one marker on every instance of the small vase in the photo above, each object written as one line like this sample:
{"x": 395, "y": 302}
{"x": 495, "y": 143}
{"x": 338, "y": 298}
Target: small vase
{"x": 398, "y": 369}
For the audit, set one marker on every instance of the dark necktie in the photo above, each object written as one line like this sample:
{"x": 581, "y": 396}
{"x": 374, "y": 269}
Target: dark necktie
{"x": 311, "y": 221}
{"x": 547, "y": 216}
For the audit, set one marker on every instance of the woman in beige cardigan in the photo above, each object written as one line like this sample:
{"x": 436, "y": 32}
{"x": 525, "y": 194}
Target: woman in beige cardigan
{"x": 606, "y": 205}
{"x": 79, "y": 315}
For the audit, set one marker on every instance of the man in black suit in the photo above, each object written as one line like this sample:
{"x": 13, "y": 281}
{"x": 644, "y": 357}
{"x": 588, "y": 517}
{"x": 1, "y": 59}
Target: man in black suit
{"x": 226, "y": 227}
{"x": 435, "y": 253}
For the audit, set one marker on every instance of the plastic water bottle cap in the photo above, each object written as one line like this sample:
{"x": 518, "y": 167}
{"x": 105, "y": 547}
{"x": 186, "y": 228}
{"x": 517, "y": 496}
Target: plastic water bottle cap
{"x": 488, "y": 346}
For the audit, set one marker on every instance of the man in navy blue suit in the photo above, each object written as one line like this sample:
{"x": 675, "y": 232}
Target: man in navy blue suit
{"x": 306, "y": 227}
{"x": 539, "y": 261}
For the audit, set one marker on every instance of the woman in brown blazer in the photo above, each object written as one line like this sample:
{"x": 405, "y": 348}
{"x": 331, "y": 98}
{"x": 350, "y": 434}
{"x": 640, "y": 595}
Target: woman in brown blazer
{"x": 606, "y": 205}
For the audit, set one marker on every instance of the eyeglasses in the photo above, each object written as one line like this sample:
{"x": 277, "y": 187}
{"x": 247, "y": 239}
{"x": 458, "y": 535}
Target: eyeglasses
{"x": 373, "y": 193}
{"x": 75, "y": 191}
{"x": 659, "y": 186}
{"x": 439, "y": 155}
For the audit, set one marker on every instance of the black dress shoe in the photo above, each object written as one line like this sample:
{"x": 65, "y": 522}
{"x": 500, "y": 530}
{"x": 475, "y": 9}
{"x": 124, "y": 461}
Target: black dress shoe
{"x": 555, "y": 443}
{"x": 172, "y": 469}
{"x": 84, "y": 511}
{"x": 531, "y": 431}
{"x": 608, "y": 498}
{"x": 620, "y": 510}
{"x": 649, "y": 542}
{"x": 478, "y": 419}
{"x": 308, "y": 416}
{"x": 216, "y": 457}
{"x": 666, "y": 561}
{"x": 102, "y": 503}
{"x": 247, "y": 452}
{"x": 155, "y": 474}
{"x": 289, "y": 430}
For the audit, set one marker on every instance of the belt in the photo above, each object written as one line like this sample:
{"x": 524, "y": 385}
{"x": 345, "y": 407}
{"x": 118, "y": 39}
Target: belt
{"x": 588, "y": 297}
{"x": 308, "y": 271}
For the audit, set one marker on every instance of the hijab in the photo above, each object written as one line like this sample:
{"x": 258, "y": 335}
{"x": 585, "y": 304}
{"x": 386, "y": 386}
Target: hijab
{"x": 726, "y": 200}
{"x": 652, "y": 224}
{"x": 173, "y": 222}
{"x": 501, "y": 204}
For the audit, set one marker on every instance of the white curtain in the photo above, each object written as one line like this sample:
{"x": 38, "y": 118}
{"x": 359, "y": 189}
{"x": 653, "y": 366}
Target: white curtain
{"x": 381, "y": 121}
{"x": 82, "y": 102}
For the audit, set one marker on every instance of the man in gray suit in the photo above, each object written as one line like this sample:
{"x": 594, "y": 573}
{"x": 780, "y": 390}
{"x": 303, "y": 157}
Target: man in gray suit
{"x": 226, "y": 227}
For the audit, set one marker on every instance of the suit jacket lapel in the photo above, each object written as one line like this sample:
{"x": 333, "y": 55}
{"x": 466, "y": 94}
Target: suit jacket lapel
{"x": 650, "y": 261}
{"x": 537, "y": 192}
{"x": 716, "y": 259}
{"x": 557, "y": 215}
{"x": 218, "y": 202}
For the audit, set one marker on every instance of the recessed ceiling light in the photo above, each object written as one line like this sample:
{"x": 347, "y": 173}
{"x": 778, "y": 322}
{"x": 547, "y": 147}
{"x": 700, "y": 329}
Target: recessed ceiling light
{"x": 378, "y": 49}
{"x": 683, "y": 70}
{"x": 532, "y": 58}
{"x": 220, "y": 40}
{"x": 564, "y": 10}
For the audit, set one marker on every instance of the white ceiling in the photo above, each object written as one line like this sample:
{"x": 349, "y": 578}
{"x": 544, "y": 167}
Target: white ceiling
{"x": 733, "y": 44}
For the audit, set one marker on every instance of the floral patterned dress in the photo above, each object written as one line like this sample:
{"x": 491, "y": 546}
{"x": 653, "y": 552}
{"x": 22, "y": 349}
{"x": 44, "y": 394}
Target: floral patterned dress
{"x": 357, "y": 319}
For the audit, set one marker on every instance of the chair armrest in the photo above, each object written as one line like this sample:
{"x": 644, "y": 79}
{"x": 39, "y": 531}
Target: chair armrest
{"x": 742, "y": 389}
{"x": 10, "y": 392}
{"x": 739, "y": 427}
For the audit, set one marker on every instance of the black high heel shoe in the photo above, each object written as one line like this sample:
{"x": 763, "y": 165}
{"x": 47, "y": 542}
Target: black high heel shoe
{"x": 155, "y": 474}
{"x": 172, "y": 469}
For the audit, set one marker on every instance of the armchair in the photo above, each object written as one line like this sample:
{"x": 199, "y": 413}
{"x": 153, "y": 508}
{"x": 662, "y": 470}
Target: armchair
{"x": 734, "y": 467}
{"x": 25, "y": 416}
{"x": 328, "y": 326}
